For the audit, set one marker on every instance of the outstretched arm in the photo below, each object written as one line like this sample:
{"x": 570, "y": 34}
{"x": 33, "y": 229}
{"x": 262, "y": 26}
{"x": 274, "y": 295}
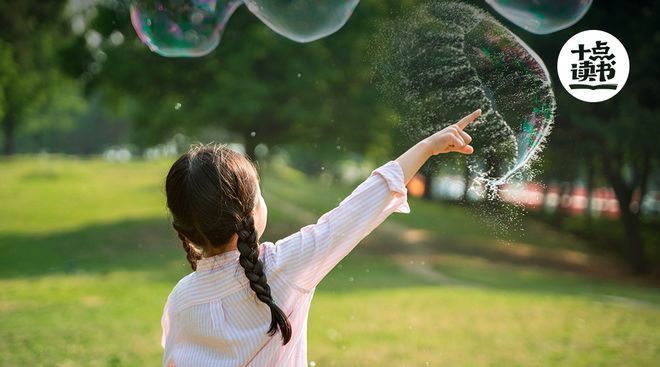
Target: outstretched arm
{"x": 306, "y": 256}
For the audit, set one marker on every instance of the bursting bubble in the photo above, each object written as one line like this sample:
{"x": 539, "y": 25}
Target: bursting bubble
{"x": 542, "y": 16}
{"x": 303, "y": 20}
{"x": 447, "y": 59}
{"x": 181, "y": 28}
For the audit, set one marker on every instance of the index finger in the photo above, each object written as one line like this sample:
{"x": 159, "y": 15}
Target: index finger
{"x": 465, "y": 121}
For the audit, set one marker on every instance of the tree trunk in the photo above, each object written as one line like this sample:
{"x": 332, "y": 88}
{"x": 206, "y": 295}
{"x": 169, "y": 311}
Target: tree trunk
{"x": 589, "y": 189}
{"x": 636, "y": 252}
{"x": 9, "y": 133}
{"x": 630, "y": 220}
{"x": 467, "y": 178}
{"x": 250, "y": 144}
{"x": 428, "y": 185}
{"x": 558, "y": 216}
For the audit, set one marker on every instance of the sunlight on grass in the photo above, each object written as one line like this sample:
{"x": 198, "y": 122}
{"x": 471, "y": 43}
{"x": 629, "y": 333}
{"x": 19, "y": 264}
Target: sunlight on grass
{"x": 50, "y": 194}
{"x": 88, "y": 259}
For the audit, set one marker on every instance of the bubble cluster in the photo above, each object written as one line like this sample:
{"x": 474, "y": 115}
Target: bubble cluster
{"x": 303, "y": 20}
{"x": 447, "y": 59}
{"x": 190, "y": 28}
{"x": 542, "y": 16}
{"x": 181, "y": 27}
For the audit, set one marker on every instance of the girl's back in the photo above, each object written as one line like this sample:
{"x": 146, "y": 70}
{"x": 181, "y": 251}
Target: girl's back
{"x": 212, "y": 317}
{"x": 227, "y": 312}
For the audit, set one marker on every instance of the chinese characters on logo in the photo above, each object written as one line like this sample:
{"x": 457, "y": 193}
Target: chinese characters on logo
{"x": 598, "y": 66}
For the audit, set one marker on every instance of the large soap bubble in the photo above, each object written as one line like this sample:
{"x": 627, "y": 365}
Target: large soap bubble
{"x": 303, "y": 20}
{"x": 542, "y": 16}
{"x": 181, "y": 27}
{"x": 447, "y": 59}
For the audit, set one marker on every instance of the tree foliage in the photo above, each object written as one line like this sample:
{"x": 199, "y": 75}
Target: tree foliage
{"x": 35, "y": 95}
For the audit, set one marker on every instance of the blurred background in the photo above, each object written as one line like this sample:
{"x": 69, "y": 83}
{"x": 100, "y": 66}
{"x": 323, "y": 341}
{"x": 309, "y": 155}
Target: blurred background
{"x": 563, "y": 270}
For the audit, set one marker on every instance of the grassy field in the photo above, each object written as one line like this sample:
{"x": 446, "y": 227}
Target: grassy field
{"x": 88, "y": 259}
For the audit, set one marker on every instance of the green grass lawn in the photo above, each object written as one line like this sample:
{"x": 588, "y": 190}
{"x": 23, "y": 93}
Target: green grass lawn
{"x": 87, "y": 260}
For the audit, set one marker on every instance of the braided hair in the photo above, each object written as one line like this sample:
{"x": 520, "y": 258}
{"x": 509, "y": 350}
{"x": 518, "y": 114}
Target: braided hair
{"x": 192, "y": 255}
{"x": 248, "y": 248}
{"x": 211, "y": 193}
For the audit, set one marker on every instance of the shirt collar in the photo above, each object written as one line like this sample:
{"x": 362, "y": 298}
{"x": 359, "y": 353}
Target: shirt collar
{"x": 213, "y": 262}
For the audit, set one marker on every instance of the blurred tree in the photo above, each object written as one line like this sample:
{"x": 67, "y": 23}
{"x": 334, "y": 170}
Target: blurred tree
{"x": 618, "y": 137}
{"x": 31, "y": 82}
{"x": 316, "y": 96}
{"x": 257, "y": 84}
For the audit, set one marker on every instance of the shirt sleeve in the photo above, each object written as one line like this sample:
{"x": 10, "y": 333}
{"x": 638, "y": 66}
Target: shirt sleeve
{"x": 306, "y": 256}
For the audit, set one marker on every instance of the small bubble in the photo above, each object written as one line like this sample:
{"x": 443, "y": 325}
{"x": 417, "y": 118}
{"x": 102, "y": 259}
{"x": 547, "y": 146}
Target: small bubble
{"x": 177, "y": 106}
{"x": 116, "y": 38}
{"x": 100, "y": 56}
{"x": 78, "y": 24}
{"x": 85, "y": 77}
{"x": 312, "y": 364}
{"x": 253, "y": 134}
{"x": 192, "y": 36}
{"x": 95, "y": 67}
{"x": 332, "y": 334}
{"x": 196, "y": 17}
{"x": 351, "y": 279}
{"x": 261, "y": 150}
{"x": 299, "y": 75}
{"x": 93, "y": 39}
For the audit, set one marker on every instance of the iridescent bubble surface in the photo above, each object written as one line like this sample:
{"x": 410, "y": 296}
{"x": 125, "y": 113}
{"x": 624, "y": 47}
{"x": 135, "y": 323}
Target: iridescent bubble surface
{"x": 447, "y": 59}
{"x": 181, "y": 28}
{"x": 303, "y": 20}
{"x": 542, "y": 16}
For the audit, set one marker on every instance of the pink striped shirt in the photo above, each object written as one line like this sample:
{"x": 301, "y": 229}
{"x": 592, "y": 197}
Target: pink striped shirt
{"x": 212, "y": 317}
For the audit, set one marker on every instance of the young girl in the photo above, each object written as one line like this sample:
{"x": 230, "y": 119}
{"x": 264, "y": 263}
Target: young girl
{"x": 241, "y": 293}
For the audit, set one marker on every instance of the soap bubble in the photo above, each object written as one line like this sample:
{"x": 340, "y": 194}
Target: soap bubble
{"x": 181, "y": 28}
{"x": 116, "y": 38}
{"x": 303, "y": 20}
{"x": 447, "y": 59}
{"x": 542, "y": 16}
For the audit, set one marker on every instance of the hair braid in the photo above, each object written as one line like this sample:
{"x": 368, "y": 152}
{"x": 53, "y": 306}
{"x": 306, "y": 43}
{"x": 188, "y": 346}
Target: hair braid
{"x": 192, "y": 255}
{"x": 254, "y": 271}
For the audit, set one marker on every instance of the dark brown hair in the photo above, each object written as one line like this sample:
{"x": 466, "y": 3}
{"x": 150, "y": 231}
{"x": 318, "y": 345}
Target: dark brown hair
{"x": 211, "y": 192}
